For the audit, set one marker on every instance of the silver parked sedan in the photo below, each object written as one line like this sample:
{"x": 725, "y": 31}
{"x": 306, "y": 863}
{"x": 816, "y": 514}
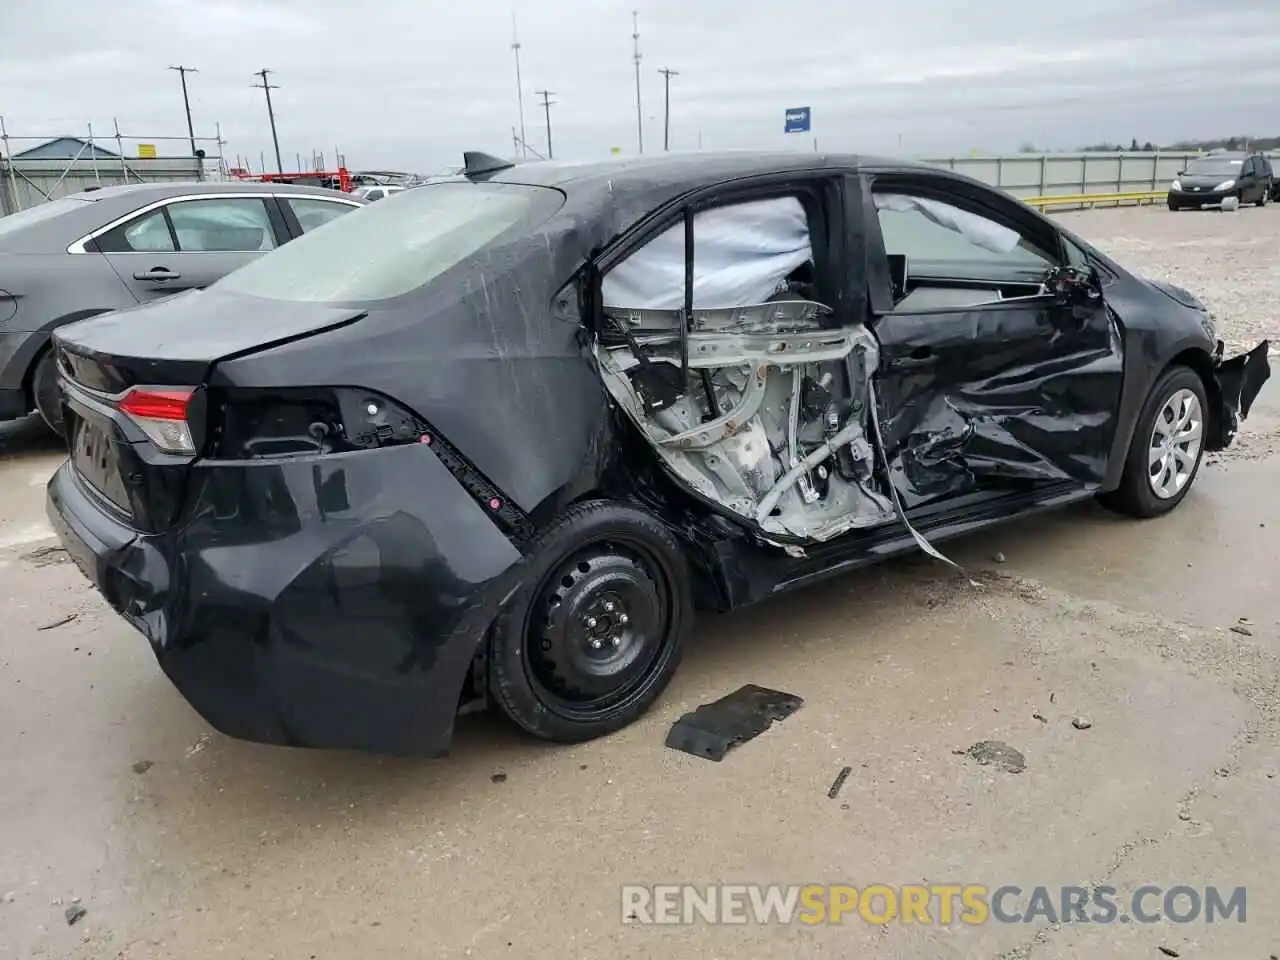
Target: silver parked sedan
{"x": 107, "y": 249}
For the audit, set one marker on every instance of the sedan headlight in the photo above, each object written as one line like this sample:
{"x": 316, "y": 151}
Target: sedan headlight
{"x": 1176, "y": 185}
{"x": 1225, "y": 185}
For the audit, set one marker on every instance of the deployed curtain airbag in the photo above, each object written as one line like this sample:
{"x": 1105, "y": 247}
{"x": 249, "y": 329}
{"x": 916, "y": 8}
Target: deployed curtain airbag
{"x": 742, "y": 253}
{"x": 977, "y": 230}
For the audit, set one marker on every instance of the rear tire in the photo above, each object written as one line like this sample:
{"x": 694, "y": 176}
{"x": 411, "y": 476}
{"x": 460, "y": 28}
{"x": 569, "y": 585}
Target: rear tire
{"x": 596, "y": 631}
{"x": 46, "y": 394}
{"x": 1265, "y": 196}
{"x": 1141, "y": 493}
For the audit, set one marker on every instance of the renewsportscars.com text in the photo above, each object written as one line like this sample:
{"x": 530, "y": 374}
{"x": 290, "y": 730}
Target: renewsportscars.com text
{"x": 941, "y": 904}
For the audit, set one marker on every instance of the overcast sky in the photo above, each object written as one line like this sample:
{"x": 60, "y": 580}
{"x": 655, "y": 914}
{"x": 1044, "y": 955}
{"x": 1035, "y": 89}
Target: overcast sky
{"x": 409, "y": 85}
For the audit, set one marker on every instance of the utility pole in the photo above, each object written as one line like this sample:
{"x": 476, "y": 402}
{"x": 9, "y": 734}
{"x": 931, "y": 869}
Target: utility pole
{"x": 667, "y": 74}
{"x": 635, "y": 37}
{"x": 515, "y": 47}
{"x": 266, "y": 88}
{"x": 547, "y": 103}
{"x": 186, "y": 103}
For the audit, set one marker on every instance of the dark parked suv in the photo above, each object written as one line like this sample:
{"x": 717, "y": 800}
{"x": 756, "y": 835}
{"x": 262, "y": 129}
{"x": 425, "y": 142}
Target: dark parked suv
{"x": 1218, "y": 176}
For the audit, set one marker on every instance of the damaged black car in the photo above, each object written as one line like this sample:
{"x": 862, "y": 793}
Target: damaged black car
{"x": 497, "y": 441}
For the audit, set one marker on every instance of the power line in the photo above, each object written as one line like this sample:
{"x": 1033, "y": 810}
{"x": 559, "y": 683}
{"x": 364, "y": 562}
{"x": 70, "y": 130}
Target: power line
{"x": 667, "y": 74}
{"x": 635, "y": 37}
{"x": 515, "y": 47}
{"x": 266, "y": 88}
{"x": 547, "y": 103}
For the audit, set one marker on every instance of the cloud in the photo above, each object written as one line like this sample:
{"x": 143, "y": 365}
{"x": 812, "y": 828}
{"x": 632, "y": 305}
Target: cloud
{"x": 410, "y": 85}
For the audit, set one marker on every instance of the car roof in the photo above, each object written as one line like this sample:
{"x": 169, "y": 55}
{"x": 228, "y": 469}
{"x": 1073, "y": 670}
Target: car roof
{"x": 82, "y": 213}
{"x": 147, "y": 192}
{"x": 695, "y": 168}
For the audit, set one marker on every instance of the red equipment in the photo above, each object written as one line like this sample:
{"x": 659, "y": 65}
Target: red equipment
{"x": 340, "y": 178}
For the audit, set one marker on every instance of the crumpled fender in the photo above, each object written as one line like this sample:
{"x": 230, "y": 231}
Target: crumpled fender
{"x": 1240, "y": 379}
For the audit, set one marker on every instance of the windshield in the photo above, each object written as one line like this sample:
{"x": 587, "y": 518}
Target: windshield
{"x": 1214, "y": 167}
{"x": 388, "y": 249}
{"x": 36, "y": 214}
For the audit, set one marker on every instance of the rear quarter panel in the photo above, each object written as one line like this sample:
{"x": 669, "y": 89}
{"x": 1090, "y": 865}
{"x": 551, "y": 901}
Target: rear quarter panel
{"x": 50, "y": 290}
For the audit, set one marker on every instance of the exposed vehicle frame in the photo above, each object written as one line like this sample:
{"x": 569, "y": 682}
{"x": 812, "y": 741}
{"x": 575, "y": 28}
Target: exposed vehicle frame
{"x": 341, "y": 509}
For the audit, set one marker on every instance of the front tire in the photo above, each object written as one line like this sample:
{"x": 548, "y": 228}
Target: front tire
{"x": 596, "y": 631}
{"x": 1173, "y": 205}
{"x": 1167, "y": 447}
{"x": 1264, "y": 196}
{"x": 47, "y": 396}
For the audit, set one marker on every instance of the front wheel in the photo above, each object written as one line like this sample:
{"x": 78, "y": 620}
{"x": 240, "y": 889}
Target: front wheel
{"x": 1166, "y": 449}
{"x": 1264, "y": 196}
{"x": 595, "y": 632}
{"x": 45, "y": 392}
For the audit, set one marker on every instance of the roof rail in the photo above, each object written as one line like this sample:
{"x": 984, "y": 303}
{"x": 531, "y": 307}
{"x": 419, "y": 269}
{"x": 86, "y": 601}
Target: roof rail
{"x": 475, "y": 163}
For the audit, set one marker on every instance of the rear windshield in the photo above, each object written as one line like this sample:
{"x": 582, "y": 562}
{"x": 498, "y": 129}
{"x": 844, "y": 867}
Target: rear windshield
{"x": 38, "y": 213}
{"x": 388, "y": 249}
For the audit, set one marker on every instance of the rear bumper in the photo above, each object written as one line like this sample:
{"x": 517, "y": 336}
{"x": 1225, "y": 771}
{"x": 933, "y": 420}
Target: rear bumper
{"x": 335, "y": 602}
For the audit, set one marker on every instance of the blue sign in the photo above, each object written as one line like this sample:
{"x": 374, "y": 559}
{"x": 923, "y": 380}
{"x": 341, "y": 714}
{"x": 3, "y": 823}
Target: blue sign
{"x": 798, "y": 120}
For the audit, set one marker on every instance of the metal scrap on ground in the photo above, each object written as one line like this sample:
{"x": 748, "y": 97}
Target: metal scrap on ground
{"x": 714, "y": 728}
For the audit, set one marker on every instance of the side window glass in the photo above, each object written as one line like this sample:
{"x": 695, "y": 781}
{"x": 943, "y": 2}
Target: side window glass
{"x": 313, "y": 213}
{"x": 146, "y": 234}
{"x": 745, "y": 254}
{"x": 1076, "y": 257}
{"x": 930, "y": 232}
{"x": 224, "y": 224}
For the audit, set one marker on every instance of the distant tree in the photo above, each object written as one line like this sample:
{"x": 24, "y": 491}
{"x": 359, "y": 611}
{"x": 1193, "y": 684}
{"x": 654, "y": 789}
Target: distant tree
{"x": 1133, "y": 145}
{"x": 1029, "y": 147}
{"x": 1149, "y": 147}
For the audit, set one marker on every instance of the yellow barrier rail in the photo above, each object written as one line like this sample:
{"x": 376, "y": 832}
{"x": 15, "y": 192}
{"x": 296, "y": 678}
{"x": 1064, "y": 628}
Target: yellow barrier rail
{"x": 1092, "y": 199}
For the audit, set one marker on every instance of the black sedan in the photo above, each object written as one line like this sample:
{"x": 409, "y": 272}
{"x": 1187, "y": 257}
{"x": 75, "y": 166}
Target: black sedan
{"x": 497, "y": 441}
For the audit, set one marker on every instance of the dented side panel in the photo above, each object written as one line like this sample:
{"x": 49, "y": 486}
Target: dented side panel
{"x": 1006, "y": 392}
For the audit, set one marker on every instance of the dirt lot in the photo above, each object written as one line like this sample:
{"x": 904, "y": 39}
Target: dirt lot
{"x": 179, "y": 843}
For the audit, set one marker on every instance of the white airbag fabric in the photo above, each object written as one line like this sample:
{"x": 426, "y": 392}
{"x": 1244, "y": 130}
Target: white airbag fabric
{"x": 979, "y": 231}
{"x": 742, "y": 253}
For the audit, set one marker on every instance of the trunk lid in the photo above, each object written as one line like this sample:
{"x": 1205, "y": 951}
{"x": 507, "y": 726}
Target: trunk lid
{"x": 133, "y": 397}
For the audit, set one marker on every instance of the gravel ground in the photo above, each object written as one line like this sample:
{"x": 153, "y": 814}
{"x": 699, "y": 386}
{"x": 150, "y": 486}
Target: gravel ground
{"x": 1229, "y": 260}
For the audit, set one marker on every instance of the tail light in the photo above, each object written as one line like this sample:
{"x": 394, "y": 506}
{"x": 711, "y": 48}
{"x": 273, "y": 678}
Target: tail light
{"x": 284, "y": 423}
{"x": 161, "y": 413}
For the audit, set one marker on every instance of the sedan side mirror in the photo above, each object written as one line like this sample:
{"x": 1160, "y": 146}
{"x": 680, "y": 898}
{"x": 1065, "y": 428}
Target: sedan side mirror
{"x": 1074, "y": 285}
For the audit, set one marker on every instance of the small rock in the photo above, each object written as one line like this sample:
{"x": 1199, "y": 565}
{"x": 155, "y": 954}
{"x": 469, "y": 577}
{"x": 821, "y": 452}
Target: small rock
{"x": 1036, "y": 716}
{"x": 998, "y": 754}
{"x": 582, "y": 766}
{"x": 999, "y": 557}
{"x": 9, "y": 897}
{"x": 1222, "y": 772}
{"x": 142, "y": 766}
{"x": 1053, "y": 697}
{"x": 73, "y": 914}
{"x": 1082, "y": 723}
{"x": 1184, "y": 814}
{"x": 498, "y": 778}
{"x": 1243, "y": 631}
{"x": 1170, "y": 952}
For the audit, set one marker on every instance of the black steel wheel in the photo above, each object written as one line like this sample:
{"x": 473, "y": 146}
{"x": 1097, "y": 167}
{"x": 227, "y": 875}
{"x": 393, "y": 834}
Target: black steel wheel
{"x": 595, "y": 633}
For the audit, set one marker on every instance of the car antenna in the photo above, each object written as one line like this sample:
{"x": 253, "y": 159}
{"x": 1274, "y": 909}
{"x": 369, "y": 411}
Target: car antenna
{"x": 475, "y": 163}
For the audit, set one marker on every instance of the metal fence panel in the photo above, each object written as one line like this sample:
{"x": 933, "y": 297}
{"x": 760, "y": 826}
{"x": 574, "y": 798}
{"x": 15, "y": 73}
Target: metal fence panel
{"x": 1055, "y": 174}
